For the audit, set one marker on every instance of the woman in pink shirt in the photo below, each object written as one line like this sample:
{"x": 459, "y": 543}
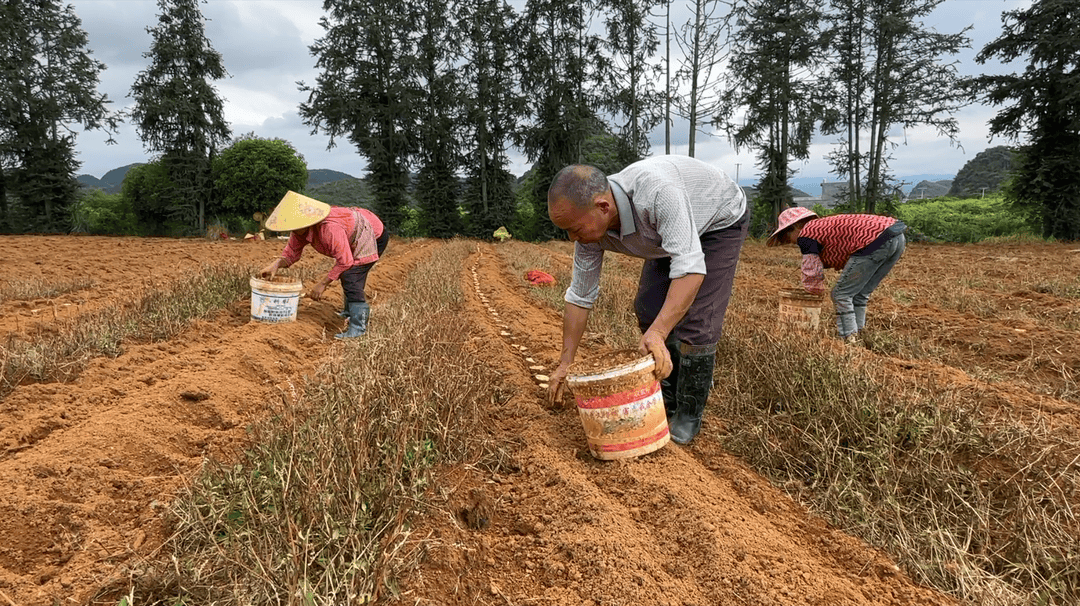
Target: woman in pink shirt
{"x": 353, "y": 237}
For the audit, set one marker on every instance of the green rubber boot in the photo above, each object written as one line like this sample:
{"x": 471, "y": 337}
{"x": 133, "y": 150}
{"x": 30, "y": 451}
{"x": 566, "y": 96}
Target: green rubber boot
{"x": 696, "y": 365}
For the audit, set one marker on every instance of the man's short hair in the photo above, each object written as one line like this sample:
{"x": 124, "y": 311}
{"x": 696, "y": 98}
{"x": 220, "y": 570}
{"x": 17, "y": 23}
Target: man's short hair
{"x": 579, "y": 184}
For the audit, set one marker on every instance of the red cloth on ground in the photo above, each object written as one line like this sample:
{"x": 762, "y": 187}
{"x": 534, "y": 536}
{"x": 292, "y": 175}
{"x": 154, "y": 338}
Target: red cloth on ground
{"x": 539, "y": 278}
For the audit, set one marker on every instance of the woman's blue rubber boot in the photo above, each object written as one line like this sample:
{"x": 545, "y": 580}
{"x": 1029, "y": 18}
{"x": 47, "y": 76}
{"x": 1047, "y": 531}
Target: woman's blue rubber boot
{"x": 358, "y": 319}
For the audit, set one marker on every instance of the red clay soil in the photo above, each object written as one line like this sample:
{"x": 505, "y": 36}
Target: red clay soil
{"x": 87, "y": 466}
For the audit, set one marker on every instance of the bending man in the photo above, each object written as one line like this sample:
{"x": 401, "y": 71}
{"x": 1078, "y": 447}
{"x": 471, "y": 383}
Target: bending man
{"x": 688, "y": 221}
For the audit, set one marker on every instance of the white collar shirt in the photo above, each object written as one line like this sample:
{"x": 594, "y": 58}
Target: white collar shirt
{"x": 665, "y": 204}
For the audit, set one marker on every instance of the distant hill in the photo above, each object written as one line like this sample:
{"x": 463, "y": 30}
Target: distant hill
{"x": 985, "y": 172}
{"x": 795, "y": 193}
{"x": 342, "y": 192}
{"x": 320, "y": 176}
{"x": 110, "y": 183}
{"x": 812, "y": 185}
{"x": 930, "y": 189}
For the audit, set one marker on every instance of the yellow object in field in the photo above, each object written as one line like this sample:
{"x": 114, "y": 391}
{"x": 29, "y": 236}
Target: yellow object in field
{"x": 502, "y": 234}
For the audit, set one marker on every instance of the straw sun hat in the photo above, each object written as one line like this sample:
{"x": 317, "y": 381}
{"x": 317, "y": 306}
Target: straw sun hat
{"x": 296, "y": 212}
{"x": 787, "y": 218}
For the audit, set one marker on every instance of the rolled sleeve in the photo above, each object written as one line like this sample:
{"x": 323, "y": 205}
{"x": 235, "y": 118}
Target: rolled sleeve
{"x": 813, "y": 274}
{"x": 585, "y": 283}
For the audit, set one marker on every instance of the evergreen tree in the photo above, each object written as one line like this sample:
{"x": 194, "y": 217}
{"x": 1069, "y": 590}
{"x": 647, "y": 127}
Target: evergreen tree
{"x": 177, "y": 111}
{"x": 630, "y": 93}
{"x": 1042, "y": 106}
{"x": 774, "y": 89}
{"x": 889, "y": 73}
{"x": 556, "y": 50}
{"x": 368, "y": 91}
{"x": 493, "y": 105}
{"x": 49, "y": 83}
{"x": 437, "y": 188}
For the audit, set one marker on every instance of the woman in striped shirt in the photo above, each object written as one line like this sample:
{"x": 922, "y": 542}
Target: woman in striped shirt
{"x": 863, "y": 247}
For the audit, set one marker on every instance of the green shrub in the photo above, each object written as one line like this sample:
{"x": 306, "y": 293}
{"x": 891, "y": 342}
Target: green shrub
{"x": 411, "y": 219}
{"x": 239, "y": 226}
{"x": 99, "y": 213}
{"x": 963, "y": 220}
{"x": 155, "y": 199}
{"x": 526, "y": 222}
{"x": 253, "y": 174}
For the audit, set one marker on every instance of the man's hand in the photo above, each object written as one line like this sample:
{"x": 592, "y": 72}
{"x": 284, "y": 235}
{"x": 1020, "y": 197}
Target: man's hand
{"x": 652, "y": 342}
{"x": 271, "y": 269}
{"x": 574, "y": 320}
{"x": 556, "y": 384}
{"x": 680, "y": 296}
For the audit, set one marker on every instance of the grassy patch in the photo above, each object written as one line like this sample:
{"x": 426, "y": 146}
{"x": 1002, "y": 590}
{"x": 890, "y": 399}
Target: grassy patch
{"x": 612, "y": 317}
{"x": 319, "y": 510}
{"x": 521, "y": 258}
{"x": 973, "y": 501}
{"x": 1059, "y": 288}
{"x": 62, "y": 353}
{"x": 37, "y": 288}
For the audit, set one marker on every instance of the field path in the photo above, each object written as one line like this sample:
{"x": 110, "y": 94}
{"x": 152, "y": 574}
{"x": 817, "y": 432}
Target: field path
{"x": 679, "y": 526}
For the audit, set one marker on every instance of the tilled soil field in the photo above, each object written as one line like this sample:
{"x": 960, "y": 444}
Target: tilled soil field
{"x": 87, "y": 466}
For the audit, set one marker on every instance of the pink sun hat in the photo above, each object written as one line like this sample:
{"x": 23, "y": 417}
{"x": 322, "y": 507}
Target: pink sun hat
{"x": 787, "y": 218}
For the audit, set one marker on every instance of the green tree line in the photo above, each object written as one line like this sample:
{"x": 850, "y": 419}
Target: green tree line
{"x": 445, "y": 92}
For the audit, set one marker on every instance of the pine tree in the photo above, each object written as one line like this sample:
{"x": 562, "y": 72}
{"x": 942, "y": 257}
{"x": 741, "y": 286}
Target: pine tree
{"x": 368, "y": 91}
{"x": 493, "y": 105}
{"x": 1042, "y": 106}
{"x": 631, "y": 95}
{"x": 889, "y": 73}
{"x": 49, "y": 83}
{"x": 177, "y": 111}
{"x": 774, "y": 88}
{"x": 556, "y": 71}
{"x": 437, "y": 187}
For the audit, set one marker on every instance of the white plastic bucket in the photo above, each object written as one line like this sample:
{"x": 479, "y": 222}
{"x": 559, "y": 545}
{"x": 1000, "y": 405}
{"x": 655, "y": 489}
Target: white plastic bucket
{"x": 620, "y": 404}
{"x": 275, "y": 300}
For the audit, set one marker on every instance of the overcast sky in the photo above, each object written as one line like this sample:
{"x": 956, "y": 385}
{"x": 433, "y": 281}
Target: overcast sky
{"x": 264, "y": 45}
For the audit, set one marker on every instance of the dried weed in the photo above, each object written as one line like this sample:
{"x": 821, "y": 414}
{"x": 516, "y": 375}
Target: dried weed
{"x": 39, "y": 288}
{"x": 320, "y": 509}
{"x": 969, "y": 500}
{"x": 62, "y": 350}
